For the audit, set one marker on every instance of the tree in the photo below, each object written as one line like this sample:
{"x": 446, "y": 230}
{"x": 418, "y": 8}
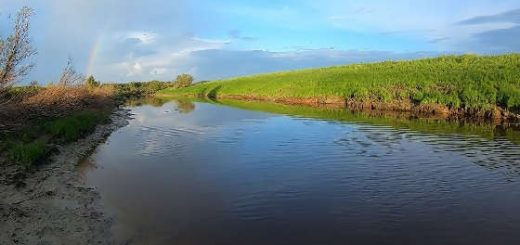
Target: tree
{"x": 15, "y": 50}
{"x": 183, "y": 80}
{"x": 91, "y": 82}
{"x": 70, "y": 76}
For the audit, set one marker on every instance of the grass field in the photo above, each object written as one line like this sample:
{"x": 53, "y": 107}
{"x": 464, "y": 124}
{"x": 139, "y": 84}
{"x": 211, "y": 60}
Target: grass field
{"x": 457, "y": 82}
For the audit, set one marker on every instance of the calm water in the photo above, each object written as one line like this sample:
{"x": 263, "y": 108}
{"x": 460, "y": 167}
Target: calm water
{"x": 200, "y": 173}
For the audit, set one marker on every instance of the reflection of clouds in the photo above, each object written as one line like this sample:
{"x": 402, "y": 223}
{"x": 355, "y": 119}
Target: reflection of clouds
{"x": 159, "y": 132}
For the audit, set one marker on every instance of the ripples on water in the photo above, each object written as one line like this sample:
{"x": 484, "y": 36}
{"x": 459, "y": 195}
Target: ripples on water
{"x": 220, "y": 175}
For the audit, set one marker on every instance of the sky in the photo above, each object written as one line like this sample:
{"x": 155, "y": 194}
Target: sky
{"x": 135, "y": 40}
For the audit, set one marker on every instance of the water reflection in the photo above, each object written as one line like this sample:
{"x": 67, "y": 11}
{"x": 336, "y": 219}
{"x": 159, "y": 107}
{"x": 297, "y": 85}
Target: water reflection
{"x": 184, "y": 106}
{"x": 238, "y": 172}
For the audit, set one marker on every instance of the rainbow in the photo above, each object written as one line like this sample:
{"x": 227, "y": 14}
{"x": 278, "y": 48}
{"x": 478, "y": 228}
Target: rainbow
{"x": 92, "y": 56}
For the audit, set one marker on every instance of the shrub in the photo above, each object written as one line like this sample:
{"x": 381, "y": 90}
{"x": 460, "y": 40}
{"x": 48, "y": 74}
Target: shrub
{"x": 91, "y": 82}
{"x": 183, "y": 80}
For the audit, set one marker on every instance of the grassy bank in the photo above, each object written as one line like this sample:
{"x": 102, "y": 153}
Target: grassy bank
{"x": 36, "y": 119}
{"x": 479, "y": 85}
{"x": 37, "y": 140}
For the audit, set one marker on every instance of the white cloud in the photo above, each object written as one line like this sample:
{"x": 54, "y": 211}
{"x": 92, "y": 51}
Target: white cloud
{"x": 142, "y": 37}
{"x": 164, "y": 61}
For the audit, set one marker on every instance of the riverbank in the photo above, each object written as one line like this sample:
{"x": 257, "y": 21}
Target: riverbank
{"x": 469, "y": 86}
{"x": 54, "y": 206}
{"x": 44, "y": 134}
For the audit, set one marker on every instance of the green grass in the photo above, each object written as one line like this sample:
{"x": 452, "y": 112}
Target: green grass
{"x": 133, "y": 90}
{"x": 33, "y": 144}
{"x": 467, "y": 81}
{"x": 73, "y": 127}
{"x": 27, "y": 153}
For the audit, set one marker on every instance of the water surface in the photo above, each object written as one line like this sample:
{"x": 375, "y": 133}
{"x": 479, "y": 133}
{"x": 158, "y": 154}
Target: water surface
{"x": 250, "y": 173}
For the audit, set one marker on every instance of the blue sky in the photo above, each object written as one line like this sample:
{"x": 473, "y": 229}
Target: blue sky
{"x": 121, "y": 40}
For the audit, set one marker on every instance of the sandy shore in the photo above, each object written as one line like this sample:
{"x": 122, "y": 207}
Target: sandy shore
{"x": 53, "y": 205}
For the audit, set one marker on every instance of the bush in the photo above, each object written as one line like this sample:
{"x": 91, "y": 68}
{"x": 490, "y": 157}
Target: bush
{"x": 183, "y": 80}
{"x": 91, "y": 82}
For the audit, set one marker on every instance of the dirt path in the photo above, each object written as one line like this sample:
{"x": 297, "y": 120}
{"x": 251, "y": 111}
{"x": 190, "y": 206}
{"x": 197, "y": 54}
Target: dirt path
{"x": 54, "y": 206}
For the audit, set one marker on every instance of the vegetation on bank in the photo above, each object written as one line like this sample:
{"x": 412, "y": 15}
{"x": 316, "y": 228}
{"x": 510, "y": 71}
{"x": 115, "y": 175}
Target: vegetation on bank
{"x": 33, "y": 119}
{"x": 132, "y": 90}
{"x": 457, "y": 82}
{"x": 37, "y": 140}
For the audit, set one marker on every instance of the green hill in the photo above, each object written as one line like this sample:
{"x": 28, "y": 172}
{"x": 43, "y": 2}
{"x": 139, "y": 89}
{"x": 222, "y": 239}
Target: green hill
{"x": 456, "y": 83}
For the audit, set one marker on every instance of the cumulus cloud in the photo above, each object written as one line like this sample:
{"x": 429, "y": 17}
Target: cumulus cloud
{"x": 145, "y": 60}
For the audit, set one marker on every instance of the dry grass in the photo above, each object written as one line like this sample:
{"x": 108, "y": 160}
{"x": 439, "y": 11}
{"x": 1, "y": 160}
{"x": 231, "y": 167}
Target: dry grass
{"x": 53, "y": 101}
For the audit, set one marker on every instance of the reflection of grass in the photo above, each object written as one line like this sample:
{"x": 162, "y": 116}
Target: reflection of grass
{"x": 468, "y": 81}
{"x": 430, "y": 126}
{"x": 184, "y": 105}
{"x": 154, "y": 101}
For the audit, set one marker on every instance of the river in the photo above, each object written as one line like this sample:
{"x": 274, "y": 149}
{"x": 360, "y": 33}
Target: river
{"x": 234, "y": 172}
